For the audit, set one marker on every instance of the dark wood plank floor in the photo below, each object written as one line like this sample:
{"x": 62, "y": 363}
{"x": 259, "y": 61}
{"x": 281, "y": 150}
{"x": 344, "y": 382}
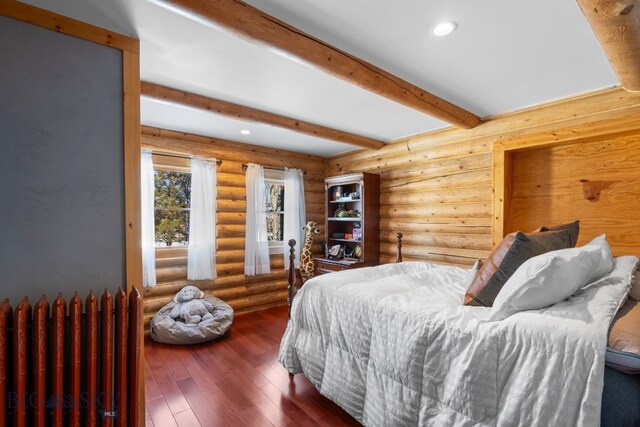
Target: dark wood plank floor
{"x": 235, "y": 381}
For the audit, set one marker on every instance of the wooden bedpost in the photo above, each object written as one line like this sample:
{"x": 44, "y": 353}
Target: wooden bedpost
{"x": 291, "y": 289}
{"x": 399, "y": 252}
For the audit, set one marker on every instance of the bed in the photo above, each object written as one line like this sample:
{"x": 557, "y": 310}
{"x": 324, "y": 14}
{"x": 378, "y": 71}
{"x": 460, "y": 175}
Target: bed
{"x": 393, "y": 345}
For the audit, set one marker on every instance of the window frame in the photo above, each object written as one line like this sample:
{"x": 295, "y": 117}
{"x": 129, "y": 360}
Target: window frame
{"x": 168, "y": 163}
{"x": 275, "y": 176}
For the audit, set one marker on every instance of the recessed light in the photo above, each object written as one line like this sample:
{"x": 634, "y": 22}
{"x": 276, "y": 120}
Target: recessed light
{"x": 245, "y": 132}
{"x": 444, "y": 28}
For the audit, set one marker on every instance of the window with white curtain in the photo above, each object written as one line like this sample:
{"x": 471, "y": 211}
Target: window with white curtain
{"x": 274, "y": 198}
{"x": 283, "y": 212}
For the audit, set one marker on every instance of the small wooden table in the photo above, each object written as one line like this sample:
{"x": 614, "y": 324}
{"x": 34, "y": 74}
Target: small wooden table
{"x": 324, "y": 265}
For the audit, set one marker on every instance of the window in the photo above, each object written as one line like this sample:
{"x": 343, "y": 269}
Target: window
{"x": 172, "y": 204}
{"x": 274, "y": 197}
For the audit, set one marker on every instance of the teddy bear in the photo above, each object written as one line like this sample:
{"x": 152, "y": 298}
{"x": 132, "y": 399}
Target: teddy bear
{"x": 190, "y": 306}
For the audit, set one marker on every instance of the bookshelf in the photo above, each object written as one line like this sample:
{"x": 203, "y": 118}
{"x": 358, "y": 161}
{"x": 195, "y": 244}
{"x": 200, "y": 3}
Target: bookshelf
{"x": 357, "y": 228}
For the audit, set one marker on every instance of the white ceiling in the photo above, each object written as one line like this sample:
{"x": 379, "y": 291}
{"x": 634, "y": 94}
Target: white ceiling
{"x": 505, "y": 55}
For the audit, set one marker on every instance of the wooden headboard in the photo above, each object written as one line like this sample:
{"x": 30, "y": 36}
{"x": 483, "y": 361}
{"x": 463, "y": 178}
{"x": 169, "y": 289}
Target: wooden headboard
{"x": 595, "y": 180}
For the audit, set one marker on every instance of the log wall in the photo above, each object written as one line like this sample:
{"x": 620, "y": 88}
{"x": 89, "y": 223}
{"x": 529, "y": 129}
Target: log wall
{"x": 241, "y": 292}
{"x": 437, "y": 188}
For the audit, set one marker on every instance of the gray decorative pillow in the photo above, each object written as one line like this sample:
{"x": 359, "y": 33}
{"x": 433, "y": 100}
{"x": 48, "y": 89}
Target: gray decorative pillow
{"x": 573, "y": 228}
{"x": 505, "y": 259}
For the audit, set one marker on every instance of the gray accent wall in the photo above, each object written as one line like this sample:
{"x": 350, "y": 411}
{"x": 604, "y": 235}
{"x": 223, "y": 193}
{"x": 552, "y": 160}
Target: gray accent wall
{"x": 61, "y": 164}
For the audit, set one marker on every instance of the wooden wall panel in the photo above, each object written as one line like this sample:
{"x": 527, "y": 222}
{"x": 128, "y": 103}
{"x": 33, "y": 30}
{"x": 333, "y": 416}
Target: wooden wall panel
{"x": 241, "y": 292}
{"x": 595, "y": 182}
{"x": 438, "y": 189}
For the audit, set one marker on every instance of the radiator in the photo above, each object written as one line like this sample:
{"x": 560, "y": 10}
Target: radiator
{"x": 66, "y": 368}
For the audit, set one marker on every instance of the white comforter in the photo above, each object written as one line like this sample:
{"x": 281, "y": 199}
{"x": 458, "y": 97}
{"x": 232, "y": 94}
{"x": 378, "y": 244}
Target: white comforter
{"x": 394, "y": 346}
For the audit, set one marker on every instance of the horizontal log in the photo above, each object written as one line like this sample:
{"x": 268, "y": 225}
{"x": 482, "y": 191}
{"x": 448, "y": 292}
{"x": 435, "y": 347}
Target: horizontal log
{"x": 233, "y": 180}
{"x": 442, "y": 210}
{"x": 163, "y": 263}
{"x": 444, "y": 225}
{"x": 444, "y": 195}
{"x": 223, "y": 256}
{"x": 258, "y": 300}
{"x": 230, "y": 193}
{"x": 440, "y": 167}
{"x": 230, "y": 243}
{"x": 167, "y": 274}
{"x": 218, "y": 283}
{"x": 231, "y": 206}
{"x": 463, "y": 241}
{"x": 477, "y": 178}
{"x": 230, "y": 230}
{"x": 231, "y": 218}
{"x": 230, "y": 269}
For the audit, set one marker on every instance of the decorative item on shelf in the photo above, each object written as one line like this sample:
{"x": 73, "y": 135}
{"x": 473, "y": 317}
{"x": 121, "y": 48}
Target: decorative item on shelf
{"x": 357, "y": 251}
{"x": 337, "y": 235}
{"x": 357, "y": 233}
{"x": 336, "y": 252}
{"x": 348, "y": 236}
{"x": 341, "y": 211}
{"x": 337, "y": 192}
{"x": 355, "y": 195}
{"x": 348, "y": 252}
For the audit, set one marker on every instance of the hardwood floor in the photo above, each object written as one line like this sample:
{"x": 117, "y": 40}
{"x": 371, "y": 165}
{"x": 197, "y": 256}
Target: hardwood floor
{"x": 235, "y": 381}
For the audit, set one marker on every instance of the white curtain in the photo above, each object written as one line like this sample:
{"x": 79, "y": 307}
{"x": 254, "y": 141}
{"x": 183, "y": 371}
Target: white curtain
{"x": 294, "y": 213}
{"x": 201, "y": 261}
{"x": 148, "y": 221}
{"x": 256, "y": 251}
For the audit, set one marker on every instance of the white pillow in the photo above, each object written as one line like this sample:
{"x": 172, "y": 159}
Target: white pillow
{"x": 549, "y": 278}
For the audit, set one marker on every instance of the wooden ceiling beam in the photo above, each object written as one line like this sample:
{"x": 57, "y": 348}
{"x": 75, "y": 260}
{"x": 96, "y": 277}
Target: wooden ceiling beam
{"x": 253, "y": 115}
{"x": 258, "y": 27}
{"x": 616, "y": 24}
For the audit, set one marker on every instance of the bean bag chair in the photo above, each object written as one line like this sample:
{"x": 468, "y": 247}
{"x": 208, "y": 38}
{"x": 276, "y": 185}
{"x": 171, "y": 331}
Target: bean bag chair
{"x": 191, "y": 318}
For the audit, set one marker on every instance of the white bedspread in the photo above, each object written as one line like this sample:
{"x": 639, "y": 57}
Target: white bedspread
{"x": 394, "y": 346}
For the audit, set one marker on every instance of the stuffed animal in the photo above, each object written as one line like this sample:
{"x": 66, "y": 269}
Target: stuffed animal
{"x": 307, "y": 269}
{"x": 190, "y": 306}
